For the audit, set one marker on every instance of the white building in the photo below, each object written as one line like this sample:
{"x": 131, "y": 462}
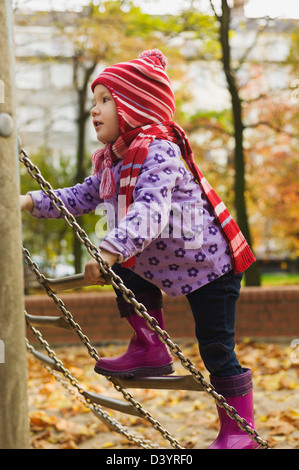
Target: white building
{"x": 46, "y": 99}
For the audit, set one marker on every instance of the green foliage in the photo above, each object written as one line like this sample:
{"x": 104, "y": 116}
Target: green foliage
{"x": 113, "y": 31}
{"x": 109, "y": 31}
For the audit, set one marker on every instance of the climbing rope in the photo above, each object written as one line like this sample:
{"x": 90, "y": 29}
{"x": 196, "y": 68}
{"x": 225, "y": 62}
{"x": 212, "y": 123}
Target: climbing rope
{"x": 139, "y": 308}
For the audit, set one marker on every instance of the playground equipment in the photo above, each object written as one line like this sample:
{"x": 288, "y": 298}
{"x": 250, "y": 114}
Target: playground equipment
{"x": 193, "y": 381}
{"x": 14, "y": 429}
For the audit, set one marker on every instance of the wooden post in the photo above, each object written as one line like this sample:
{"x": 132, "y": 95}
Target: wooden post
{"x": 14, "y": 422}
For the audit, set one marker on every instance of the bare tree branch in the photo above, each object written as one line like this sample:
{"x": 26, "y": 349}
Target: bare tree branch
{"x": 214, "y": 11}
{"x": 275, "y": 127}
{"x": 256, "y": 98}
{"x": 265, "y": 95}
{"x": 210, "y": 126}
{"x": 251, "y": 47}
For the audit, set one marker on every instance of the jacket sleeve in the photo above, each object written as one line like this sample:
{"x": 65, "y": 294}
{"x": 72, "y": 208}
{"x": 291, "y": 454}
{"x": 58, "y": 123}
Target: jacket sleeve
{"x": 160, "y": 175}
{"x": 79, "y": 199}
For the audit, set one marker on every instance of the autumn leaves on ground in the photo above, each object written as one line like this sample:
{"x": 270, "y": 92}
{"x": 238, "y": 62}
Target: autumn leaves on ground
{"x": 58, "y": 420}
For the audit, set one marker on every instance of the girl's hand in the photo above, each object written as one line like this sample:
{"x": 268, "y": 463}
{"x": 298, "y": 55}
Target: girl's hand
{"x": 93, "y": 274}
{"x": 26, "y": 203}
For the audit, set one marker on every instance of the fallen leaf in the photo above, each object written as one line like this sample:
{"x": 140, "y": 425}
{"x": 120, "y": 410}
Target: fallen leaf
{"x": 108, "y": 444}
{"x": 59, "y": 421}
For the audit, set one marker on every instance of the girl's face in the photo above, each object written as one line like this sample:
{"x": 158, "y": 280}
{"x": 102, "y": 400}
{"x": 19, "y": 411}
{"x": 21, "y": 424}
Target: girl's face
{"x": 104, "y": 115}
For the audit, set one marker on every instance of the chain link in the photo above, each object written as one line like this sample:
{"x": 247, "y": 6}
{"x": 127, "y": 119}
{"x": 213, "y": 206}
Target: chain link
{"x": 60, "y": 304}
{"x": 92, "y": 351}
{"x": 79, "y": 393}
{"x": 139, "y": 308}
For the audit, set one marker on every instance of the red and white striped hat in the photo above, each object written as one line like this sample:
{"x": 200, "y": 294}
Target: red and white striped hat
{"x": 141, "y": 89}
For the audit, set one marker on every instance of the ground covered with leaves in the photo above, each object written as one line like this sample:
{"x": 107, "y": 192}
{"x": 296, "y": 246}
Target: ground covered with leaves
{"x": 58, "y": 420}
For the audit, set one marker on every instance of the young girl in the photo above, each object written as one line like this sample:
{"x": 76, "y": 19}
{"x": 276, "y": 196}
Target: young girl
{"x": 168, "y": 231}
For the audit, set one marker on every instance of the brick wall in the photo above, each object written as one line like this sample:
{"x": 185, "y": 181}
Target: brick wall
{"x": 262, "y": 313}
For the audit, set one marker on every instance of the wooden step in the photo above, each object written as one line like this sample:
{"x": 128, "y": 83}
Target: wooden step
{"x": 169, "y": 382}
{"x": 75, "y": 281}
{"x": 47, "y": 321}
{"x": 108, "y": 402}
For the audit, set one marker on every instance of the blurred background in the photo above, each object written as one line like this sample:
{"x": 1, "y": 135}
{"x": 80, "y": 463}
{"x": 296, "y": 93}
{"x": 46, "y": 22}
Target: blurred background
{"x": 234, "y": 68}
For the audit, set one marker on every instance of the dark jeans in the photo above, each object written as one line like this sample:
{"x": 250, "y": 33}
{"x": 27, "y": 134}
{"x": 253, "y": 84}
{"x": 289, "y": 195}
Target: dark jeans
{"x": 214, "y": 311}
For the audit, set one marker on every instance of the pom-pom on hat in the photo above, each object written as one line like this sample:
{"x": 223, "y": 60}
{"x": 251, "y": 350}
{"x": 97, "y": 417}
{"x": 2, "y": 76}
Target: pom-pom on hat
{"x": 141, "y": 89}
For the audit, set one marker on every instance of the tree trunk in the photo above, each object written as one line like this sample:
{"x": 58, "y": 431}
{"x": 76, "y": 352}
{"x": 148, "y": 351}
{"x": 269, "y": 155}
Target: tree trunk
{"x": 252, "y": 276}
{"x": 80, "y": 169}
{"x": 14, "y": 423}
{"x": 81, "y": 131}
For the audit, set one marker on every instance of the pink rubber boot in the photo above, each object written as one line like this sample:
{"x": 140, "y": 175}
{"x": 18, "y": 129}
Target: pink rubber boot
{"x": 237, "y": 391}
{"x": 146, "y": 354}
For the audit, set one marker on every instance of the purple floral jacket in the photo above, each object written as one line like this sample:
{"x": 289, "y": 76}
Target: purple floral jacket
{"x": 170, "y": 228}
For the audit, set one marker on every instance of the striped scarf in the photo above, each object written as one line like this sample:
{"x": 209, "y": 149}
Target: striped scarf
{"x": 145, "y": 104}
{"x": 132, "y": 147}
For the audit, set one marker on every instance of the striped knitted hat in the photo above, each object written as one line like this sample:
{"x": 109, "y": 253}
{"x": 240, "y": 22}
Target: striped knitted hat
{"x": 141, "y": 89}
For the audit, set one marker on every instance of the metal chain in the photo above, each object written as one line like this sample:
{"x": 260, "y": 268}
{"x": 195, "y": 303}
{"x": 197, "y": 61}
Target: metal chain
{"x": 60, "y": 304}
{"x": 139, "y": 308}
{"x": 79, "y": 392}
{"x": 92, "y": 351}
